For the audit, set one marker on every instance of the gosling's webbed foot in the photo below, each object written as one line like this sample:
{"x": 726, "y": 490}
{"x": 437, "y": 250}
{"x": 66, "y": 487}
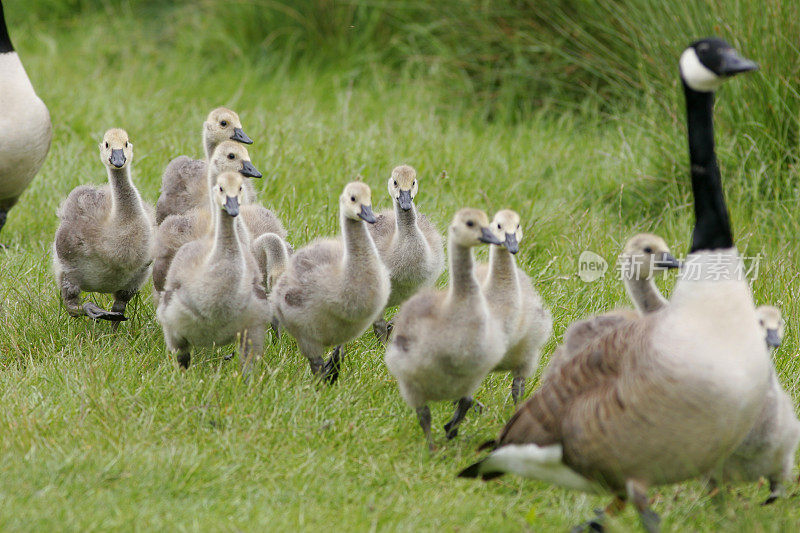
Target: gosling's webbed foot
{"x": 650, "y": 521}
{"x": 330, "y": 371}
{"x": 98, "y": 313}
{"x": 183, "y": 359}
{"x": 229, "y": 356}
{"x": 771, "y": 499}
{"x": 595, "y": 524}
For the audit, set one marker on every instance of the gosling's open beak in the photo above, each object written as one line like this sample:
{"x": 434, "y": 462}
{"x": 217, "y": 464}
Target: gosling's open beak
{"x": 773, "y": 340}
{"x": 241, "y": 136}
{"x": 366, "y": 214}
{"x": 404, "y": 200}
{"x": 667, "y": 261}
{"x": 232, "y": 205}
{"x": 488, "y": 237}
{"x": 733, "y": 63}
{"x": 511, "y": 243}
{"x": 249, "y": 170}
{"x": 117, "y": 157}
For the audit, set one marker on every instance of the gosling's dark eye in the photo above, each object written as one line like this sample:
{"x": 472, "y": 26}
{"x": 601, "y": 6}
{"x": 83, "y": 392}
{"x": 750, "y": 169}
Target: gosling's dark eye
{"x": 106, "y": 144}
{"x": 470, "y": 223}
{"x": 224, "y": 123}
{"x": 219, "y": 188}
{"x": 352, "y": 198}
{"x": 395, "y": 183}
{"x": 231, "y": 156}
{"x": 648, "y": 250}
{"x": 413, "y": 183}
{"x": 761, "y": 322}
{"x": 499, "y": 226}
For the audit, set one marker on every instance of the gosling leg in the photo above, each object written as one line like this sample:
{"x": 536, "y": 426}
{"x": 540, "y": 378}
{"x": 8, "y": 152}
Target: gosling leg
{"x": 71, "y": 295}
{"x": 517, "y": 389}
{"x": 424, "y": 417}
{"x": 252, "y": 345}
{"x": 333, "y": 365}
{"x": 3, "y": 217}
{"x": 451, "y": 428}
{"x": 775, "y": 491}
{"x": 381, "y": 329}
{"x": 121, "y": 299}
{"x": 637, "y": 494}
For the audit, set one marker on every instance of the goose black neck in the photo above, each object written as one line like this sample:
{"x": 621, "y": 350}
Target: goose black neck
{"x": 5, "y": 40}
{"x": 712, "y": 229}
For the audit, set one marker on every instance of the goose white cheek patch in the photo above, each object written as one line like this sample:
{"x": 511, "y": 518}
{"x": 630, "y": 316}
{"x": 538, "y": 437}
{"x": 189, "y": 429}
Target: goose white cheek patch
{"x": 696, "y": 75}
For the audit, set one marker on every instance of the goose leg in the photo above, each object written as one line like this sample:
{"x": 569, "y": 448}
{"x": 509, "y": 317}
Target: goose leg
{"x": 637, "y": 494}
{"x": 3, "y": 216}
{"x": 184, "y": 357}
{"x": 775, "y": 491}
{"x": 276, "y": 327}
{"x": 333, "y": 365}
{"x": 451, "y": 428}
{"x": 381, "y": 329}
{"x": 251, "y": 347}
{"x": 424, "y": 417}
{"x": 121, "y": 299}
{"x": 313, "y": 352}
{"x": 517, "y": 389}
{"x": 71, "y": 295}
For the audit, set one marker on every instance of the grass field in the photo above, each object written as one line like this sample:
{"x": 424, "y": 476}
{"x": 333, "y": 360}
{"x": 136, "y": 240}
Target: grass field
{"x": 100, "y": 431}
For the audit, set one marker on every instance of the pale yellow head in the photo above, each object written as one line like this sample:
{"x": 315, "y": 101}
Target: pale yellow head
{"x": 403, "y": 186}
{"x": 471, "y": 227}
{"x": 116, "y": 150}
{"x": 222, "y": 124}
{"x": 646, "y": 254}
{"x": 506, "y": 227}
{"x": 233, "y": 156}
{"x": 355, "y": 202}
{"x": 771, "y": 324}
{"x": 227, "y": 192}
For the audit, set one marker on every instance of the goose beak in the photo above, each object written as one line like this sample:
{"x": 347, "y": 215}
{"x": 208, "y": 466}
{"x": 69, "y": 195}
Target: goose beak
{"x": 117, "y": 157}
{"x": 366, "y": 214}
{"x": 249, "y": 170}
{"x": 488, "y": 237}
{"x": 240, "y": 136}
{"x": 232, "y": 205}
{"x": 404, "y": 200}
{"x": 733, "y": 63}
{"x": 773, "y": 340}
{"x": 511, "y": 243}
{"x": 667, "y": 261}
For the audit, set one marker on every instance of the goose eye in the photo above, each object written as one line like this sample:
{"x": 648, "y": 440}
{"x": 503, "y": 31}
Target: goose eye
{"x": 352, "y": 198}
{"x": 219, "y": 188}
{"x": 395, "y": 183}
{"x": 224, "y": 123}
{"x": 231, "y": 156}
{"x": 499, "y": 226}
{"x": 240, "y": 188}
{"x": 106, "y": 144}
{"x": 413, "y": 183}
{"x": 470, "y": 223}
{"x": 648, "y": 250}
{"x": 761, "y": 323}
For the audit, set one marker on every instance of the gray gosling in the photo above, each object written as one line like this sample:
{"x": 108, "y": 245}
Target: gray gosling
{"x": 445, "y": 342}
{"x": 332, "y": 290}
{"x": 213, "y": 294}
{"x": 26, "y": 132}
{"x": 526, "y": 323}
{"x": 104, "y": 242}
{"x": 179, "y": 229}
{"x": 408, "y": 243}
{"x": 183, "y": 184}
{"x": 769, "y": 449}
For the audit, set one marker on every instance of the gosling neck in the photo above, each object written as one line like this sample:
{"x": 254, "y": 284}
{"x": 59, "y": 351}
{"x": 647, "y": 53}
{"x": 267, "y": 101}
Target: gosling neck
{"x": 125, "y": 200}
{"x": 209, "y": 145}
{"x": 644, "y": 294}
{"x": 502, "y": 271}
{"x": 405, "y": 220}
{"x": 226, "y": 237}
{"x": 463, "y": 284}
{"x": 359, "y": 250}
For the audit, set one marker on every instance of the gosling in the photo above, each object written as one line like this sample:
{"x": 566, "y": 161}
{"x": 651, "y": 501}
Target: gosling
{"x": 332, "y": 290}
{"x": 183, "y": 184}
{"x": 213, "y": 293}
{"x": 526, "y": 323}
{"x": 104, "y": 242}
{"x": 445, "y": 342}
{"x": 408, "y": 242}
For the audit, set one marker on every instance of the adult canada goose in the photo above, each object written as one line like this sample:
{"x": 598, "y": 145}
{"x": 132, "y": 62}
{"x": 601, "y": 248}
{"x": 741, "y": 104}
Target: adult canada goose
{"x": 105, "y": 240}
{"x": 25, "y": 130}
{"x": 408, "y": 243}
{"x": 622, "y": 412}
{"x": 333, "y": 290}
{"x": 213, "y": 292}
{"x": 769, "y": 448}
{"x": 526, "y": 323}
{"x": 184, "y": 185}
{"x": 179, "y": 229}
{"x": 445, "y": 342}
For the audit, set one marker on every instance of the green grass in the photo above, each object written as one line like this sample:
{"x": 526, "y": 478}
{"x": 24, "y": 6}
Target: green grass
{"x": 100, "y": 431}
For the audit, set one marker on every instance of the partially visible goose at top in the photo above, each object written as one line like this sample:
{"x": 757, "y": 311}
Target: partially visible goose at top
{"x": 333, "y": 289}
{"x": 213, "y": 292}
{"x": 25, "y": 130}
{"x": 635, "y": 406}
{"x": 526, "y": 323}
{"x": 445, "y": 342}
{"x": 184, "y": 183}
{"x": 770, "y": 446}
{"x": 105, "y": 239}
{"x": 408, "y": 243}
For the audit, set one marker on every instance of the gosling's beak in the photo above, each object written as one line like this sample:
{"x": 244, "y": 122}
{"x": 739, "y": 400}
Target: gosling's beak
{"x": 240, "y": 136}
{"x": 511, "y": 243}
{"x": 232, "y": 205}
{"x": 249, "y": 170}
{"x": 733, "y": 63}
{"x": 117, "y": 157}
{"x": 488, "y": 237}
{"x": 366, "y": 214}
{"x": 773, "y": 340}
{"x": 667, "y": 261}
{"x": 404, "y": 200}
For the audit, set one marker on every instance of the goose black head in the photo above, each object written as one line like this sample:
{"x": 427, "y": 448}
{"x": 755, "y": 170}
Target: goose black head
{"x": 707, "y": 63}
